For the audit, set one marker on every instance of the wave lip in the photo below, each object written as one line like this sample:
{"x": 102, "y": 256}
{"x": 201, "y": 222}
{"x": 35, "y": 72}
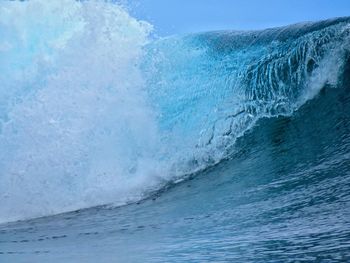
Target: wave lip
{"x": 216, "y": 85}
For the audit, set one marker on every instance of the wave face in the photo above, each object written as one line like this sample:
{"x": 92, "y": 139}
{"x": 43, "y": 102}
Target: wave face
{"x": 213, "y": 87}
{"x": 94, "y": 111}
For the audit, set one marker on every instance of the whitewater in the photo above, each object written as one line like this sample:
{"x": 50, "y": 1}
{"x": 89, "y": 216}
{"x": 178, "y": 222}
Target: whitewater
{"x": 120, "y": 146}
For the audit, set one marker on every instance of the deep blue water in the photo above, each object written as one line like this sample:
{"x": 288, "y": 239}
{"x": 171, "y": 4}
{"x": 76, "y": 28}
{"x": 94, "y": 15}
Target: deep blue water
{"x": 250, "y": 161}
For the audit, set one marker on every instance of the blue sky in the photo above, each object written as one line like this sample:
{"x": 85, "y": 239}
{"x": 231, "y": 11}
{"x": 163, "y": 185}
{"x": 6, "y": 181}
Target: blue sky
{"x": 185, "y": 16}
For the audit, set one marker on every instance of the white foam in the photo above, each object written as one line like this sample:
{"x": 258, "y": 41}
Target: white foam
{"x": 76, "y": 129}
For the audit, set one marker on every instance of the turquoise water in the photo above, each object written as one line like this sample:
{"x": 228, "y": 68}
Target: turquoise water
{"x": 212, "y": 147}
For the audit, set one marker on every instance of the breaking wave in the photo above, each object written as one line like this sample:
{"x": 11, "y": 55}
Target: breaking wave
{"x": 95, "y": 111}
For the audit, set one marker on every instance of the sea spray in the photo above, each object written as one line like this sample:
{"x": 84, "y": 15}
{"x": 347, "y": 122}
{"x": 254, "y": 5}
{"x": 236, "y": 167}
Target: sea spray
{"x": 76, "y": 127}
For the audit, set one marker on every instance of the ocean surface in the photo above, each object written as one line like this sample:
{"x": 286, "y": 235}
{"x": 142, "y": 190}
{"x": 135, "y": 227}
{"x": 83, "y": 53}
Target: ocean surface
{"x": 120, "y": 146}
